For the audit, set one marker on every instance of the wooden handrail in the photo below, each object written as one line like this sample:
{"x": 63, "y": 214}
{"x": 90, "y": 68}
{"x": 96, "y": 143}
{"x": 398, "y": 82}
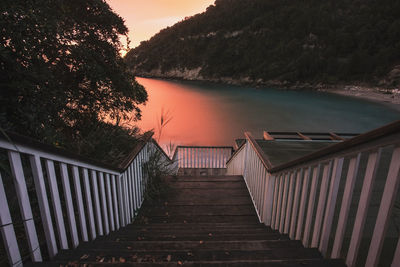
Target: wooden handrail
{"x": 345, "y": 145}
{"x": 34, "y": 144}
{"x": 236, "y": 152}
{"x": 264, "y": 159}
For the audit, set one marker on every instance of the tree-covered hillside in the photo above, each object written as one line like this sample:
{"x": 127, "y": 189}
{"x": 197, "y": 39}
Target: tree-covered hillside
{"x": 264, "y": 40}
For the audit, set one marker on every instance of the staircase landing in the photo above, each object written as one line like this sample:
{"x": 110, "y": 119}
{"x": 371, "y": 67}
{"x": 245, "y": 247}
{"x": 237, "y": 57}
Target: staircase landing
{"x": 203, "y": 221}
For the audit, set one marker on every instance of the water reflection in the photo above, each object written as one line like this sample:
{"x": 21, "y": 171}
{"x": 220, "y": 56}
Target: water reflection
{"x": 212, "y": 114}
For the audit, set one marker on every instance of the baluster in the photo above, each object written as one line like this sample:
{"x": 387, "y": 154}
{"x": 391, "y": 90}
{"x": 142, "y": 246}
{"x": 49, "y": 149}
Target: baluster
{"x": 45, "y": 214}
{"x": 275, "y": 202}
{"x": 126, "y": 199}
{"x": 69, "y": 204}
{"x": 303, "y": 203}
{"x": 280, "y": 200}
{"x": 114, "y": 184}
{"x": 321, "y": 204}
{"x": 129, "y": 188}
{"x": 366, "y": 193}
{"x": 345, "y": 207}
{"x": 24, "y": 205}
{"x": 382, "y": 222}
{"x": 270, "y": 183}
{"x": 97, "y": 202}
{"x": 311, "y": 205}
{"x": 289, "y": 202}
{"x": 103, "y": 203}
{"x": 284, "y": 201}
{"x": 89, "y": 205}
{"x": 7, "y": 229}
{"x": 55, "y": 196}
{"x": 295, "y": 204}
{"x": 109, "y": 202}
{"x": 330, "y": 206}
{"x": 79, "y": 202}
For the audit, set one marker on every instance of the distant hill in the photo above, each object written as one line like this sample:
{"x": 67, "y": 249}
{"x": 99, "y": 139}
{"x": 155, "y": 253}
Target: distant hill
{"x": 279, "y": 41}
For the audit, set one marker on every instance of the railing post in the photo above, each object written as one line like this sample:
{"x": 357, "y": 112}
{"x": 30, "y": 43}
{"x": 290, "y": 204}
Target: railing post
{"x": 365, "y": 197}
{"x": 79, "y": 201}
{"x": 269, "y": 198}
{"x": 303, "y": 203}
{"x": 321, "y": 205}
{"x": 296, "y": 204}
{"x": 69, "y": 204}
{"x": 345, "y": 207}
{"x": 7, "y": 230}
{"x": 104, "y": 203}
{"x": 44, "y": 207}
{"x": 289, "y": 205}
{"x": 97, "y": 210}
{"x": 382, "y": 221}
{"x": 311, "y": 205}
{"x": 331, "y": 204}
{"x": 89, "y": 205}
{"x": 25, "y": 206}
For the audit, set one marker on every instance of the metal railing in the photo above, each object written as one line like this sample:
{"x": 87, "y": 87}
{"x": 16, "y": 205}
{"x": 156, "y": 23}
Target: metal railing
{"x": 96, "y": 198}
{"x": 202, "y": 156}
{"x": 334, "y": 199}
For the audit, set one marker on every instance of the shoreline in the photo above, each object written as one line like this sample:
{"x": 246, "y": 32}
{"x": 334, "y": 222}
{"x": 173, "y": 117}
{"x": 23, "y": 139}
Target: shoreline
{"x": 389, "y": 97}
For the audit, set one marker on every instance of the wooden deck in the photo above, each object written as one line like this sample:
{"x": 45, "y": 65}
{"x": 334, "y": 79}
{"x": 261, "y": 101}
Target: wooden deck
{"x": 202, "y": 221}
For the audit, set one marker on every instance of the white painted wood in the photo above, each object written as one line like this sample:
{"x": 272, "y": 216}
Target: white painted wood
{"x": 284, "y": 202}
{"x": 311, "y": 205}
{"x": 275, "y": 201}
{"x": 24, "y": 205}
{"x": 109, "y": 202}
{"x": 125, "y": 197}
{"x": 289, "y": 202}
{"x": 296, "y": 203}
{"x": 321, "y": 205}
{"x": 55, "y": 196}
{"x": 137, "y": 182}
{"x": 69, "y": 205}
{"x": 7, "y": 230}
{"x": 365, "y": 197}
{"x": 330, "y": 205}
{"x": 12, "y": 147}
{"x": 89, "y": 204}
{"x": 131, "y": 195}
{"x": 269, "y": 198}
{"x": 382, "y": 222}
{"x": 79, "y": 202}
{"x": 114, "y": 184}
{"x": 303, "y": 203}
{"x": 96, "y": 201}
{"x": 396, "y": 257}
{"x": 345, "y": 206}
{"x": 45, "y": 213}
{"x": 103, "y": 200}
{"x": 280, "y": 199}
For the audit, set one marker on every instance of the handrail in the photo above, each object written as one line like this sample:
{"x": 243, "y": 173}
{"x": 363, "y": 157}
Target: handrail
{"x": 202, "y": 156}
{"x": 103, "y": 198}
{"x": 301, "y": 197}
{"x": 236, "y": 152}
{"x": 34, "y": 144}
{"x": 345, "y": 145}
{"x": 264, "y": 159}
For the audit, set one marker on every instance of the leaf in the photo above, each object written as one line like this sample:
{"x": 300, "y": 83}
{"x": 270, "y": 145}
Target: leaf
{"x": 201, "y": 242}
{"x": 179, "y": 263}
{"x": 85, "y": 256}
{"x": 122, "y": 260}
{"x": 169, "y": 258}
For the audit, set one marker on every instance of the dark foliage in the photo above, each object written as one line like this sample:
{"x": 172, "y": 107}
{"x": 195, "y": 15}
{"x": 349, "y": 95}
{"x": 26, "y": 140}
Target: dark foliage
{"x": 61, "y": 75}
{"x": 307, "y": 40}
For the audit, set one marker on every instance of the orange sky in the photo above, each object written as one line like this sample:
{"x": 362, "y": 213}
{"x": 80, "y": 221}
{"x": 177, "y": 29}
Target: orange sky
{"x": 144, "y": 18}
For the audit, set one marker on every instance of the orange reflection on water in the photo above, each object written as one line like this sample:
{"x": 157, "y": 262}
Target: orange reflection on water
{"x": 195, "y": 121}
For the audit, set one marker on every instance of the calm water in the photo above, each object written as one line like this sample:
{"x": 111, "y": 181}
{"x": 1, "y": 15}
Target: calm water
{"x": 212, "y": 114}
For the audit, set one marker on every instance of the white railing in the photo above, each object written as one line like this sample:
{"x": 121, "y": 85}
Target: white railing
{"x": 202, "y": 156}
{"x": 96, "y": 198}
{"x": 316, "y": 199}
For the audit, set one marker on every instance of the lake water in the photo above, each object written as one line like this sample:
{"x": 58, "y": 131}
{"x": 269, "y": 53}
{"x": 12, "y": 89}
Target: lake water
{"x": 215, "y": 114}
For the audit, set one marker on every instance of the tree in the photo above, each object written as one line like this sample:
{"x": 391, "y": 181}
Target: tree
{"x": 60, "y": 68}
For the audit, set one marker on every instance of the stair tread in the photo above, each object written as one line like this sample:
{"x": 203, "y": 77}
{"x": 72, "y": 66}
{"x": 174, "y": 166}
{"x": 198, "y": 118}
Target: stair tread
{"x": 203, "y": 221}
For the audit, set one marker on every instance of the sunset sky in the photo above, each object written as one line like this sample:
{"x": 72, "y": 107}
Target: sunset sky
{"x": 144, "y": 18}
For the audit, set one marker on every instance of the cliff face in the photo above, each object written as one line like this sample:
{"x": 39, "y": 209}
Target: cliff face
{"x": 278, "y": 42}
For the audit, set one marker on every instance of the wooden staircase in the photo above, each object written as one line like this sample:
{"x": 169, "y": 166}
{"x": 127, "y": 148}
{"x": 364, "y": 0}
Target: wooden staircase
{"x": 202, "y": 221}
